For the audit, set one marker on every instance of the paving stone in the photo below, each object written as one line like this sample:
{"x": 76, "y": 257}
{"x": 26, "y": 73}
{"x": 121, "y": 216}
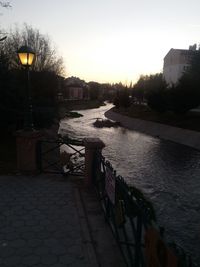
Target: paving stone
{"x": 17, "y": 243}
{"x": 49, "y": 259}
{"x": 75, "y": 250}
{"x": 42, "y": 235}
{"x": 58, "y": 250}
{"x": 45, "y": 222}
{"x": 66, "y": 259}
{"x": 12, "y": 261}
{"x": 19, "y": 211}
{"x": 37, "y": 228}
{"x": 28, "y": 235}
{"x": 7, "y": 229}
{"x": 58, "y": 234}
{"x": 17, "y": 223}
{"x": 58, "y": 265}
{"x": 79, "y": 264}
{"x": 42, "y": 250}
{"x": 33, "y": 243}
{"x": 2, "y": 218}
{"x": 8, "y": 213}
{"x": 31, "y": 222}
{"x": 51, "y": 228}
{"x": 24, "y": 251}
{"x": 12, "y": 236}
{"x": 24, "y": 229}
{"x": 30, "y": 260}
{"x": 6, "y": 251}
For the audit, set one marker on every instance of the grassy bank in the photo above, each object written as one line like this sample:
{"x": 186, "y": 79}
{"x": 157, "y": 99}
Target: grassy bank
{"x": 81, "y": 104}
{"x": 190, "y": 120}
{"x": 70, "y": 105}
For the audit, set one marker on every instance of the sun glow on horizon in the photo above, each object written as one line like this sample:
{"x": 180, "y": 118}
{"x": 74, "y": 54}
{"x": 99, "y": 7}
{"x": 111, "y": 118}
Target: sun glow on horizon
{"x": 111, "y": 40}
{"x": 116, "y": 58}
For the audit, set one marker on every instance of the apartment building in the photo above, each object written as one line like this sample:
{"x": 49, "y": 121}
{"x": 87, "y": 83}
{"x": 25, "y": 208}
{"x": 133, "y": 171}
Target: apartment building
{"x": 176, "y": 62}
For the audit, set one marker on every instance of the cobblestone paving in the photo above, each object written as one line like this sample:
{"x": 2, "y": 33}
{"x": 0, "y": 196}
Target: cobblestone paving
{"x": 39, "y": 224}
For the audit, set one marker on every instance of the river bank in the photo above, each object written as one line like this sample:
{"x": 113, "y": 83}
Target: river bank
{"x": 182, "y": 136}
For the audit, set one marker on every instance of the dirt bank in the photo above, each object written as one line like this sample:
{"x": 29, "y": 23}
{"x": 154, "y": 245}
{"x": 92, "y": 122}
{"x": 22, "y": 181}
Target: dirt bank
{"x": 178, "y": 135}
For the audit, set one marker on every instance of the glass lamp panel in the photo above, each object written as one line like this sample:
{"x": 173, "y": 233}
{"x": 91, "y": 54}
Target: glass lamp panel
{"x": 23, "y": 58}
{"x": 30, "y": 59}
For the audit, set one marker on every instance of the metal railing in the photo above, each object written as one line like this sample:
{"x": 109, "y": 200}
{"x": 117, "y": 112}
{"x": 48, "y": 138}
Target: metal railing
{"x": 66, "y": 156}
{"x": 132, "y": 221}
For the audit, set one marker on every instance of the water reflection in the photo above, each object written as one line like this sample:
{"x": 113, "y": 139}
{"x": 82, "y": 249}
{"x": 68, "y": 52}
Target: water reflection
{"x": 168, "y": 173}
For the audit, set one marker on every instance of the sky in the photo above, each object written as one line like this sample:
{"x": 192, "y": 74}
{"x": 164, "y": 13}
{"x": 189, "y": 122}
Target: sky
{"x": 110, "y": 40}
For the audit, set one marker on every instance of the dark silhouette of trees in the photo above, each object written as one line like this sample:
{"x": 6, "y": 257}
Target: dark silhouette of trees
{"x": 44, "y": 78}
{"x": 94, "y": 90}
{"x": 186, "y": 94}
{"x": 155, "y": 92}
{"x": 139, "y": 89}
{"x": 152, "y": 89}
{"x": 122, "y": 97}
{"x": 179, "y": 98}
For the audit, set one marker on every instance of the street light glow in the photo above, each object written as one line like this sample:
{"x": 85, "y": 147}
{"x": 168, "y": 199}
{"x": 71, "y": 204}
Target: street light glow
{"x": 26, "y": 55}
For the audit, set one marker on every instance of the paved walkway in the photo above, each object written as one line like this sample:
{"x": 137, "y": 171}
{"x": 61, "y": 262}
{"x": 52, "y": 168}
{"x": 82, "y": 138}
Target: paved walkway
{"x": 39, "y": 223}
{"x": 42, "y": 223}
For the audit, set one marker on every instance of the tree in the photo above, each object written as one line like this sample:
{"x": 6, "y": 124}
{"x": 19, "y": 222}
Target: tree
{"x": 94, "y": 90}
{"x": 139, "y": 89}
{"x": 155, "y": 92}
{"x": 153, "y": 89}
{"x": 5, "y": 4}
{"x": 121, "y": 98}
{"x": 46, "y": 56}
{"x": 44, "y": 77}
{"x": 186, "y": 94}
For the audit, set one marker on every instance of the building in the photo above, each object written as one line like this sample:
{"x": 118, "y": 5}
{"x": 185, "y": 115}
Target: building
{"x": 176, "y": 62}
{"x": 75, "y": 89}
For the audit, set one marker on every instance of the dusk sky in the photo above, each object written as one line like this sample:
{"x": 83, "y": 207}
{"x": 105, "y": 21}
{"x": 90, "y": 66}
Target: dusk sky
{"x": 110, "y": 40}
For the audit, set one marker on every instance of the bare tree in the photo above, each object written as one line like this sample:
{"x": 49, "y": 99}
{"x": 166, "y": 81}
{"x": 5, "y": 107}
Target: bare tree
{"x": 5, "y": 4}
{"x": 47, "y": 58}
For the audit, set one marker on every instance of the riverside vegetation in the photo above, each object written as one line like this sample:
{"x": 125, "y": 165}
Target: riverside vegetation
{"x": 152, "y": 99}
{"x": 190, "y": 120}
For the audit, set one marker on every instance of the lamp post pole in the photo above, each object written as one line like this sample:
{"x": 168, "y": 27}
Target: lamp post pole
{"x": 27, "y": 139}
{"x": 29, "y": 125}
{"x": 26, "y": 56}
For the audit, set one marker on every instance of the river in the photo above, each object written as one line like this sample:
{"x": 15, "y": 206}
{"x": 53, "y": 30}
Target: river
{"x": 166, "y": 172}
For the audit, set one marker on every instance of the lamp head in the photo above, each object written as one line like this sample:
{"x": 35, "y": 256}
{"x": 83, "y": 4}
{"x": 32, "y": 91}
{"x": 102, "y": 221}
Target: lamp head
{"x": 26, "y": 56}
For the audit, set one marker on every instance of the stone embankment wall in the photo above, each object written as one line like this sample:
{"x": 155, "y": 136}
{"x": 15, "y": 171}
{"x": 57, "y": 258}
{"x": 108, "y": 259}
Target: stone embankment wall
{"x": 178, "y": 135}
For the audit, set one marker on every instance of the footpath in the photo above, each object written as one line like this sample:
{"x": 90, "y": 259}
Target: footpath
{"x": 182, "y": 136}
{"x": 52, "y": 220}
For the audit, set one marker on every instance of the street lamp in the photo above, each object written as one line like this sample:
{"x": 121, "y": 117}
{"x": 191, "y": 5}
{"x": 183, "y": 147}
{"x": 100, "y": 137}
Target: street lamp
{"x": 26, "y": 57}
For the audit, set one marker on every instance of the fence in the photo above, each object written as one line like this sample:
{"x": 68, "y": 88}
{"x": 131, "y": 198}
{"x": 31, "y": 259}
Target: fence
{"x": 131, "y": 217}
{"x": 66, "y": 156}
{"x": 133, "y": 223}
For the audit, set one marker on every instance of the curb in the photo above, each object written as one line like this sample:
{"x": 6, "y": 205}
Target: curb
{"x": 89, "y": 248}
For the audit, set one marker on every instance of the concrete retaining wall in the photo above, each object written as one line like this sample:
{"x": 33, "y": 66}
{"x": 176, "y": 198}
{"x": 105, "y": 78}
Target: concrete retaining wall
{"x": 178, "y": 135}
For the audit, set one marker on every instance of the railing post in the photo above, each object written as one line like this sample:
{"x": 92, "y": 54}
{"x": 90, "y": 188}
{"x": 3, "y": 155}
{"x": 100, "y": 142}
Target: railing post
{"x": 93, "y": 146}
{"x": 26, "y": 143}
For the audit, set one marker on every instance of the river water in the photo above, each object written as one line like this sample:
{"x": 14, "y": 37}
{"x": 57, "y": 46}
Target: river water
{"x": 166, "y": 172}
